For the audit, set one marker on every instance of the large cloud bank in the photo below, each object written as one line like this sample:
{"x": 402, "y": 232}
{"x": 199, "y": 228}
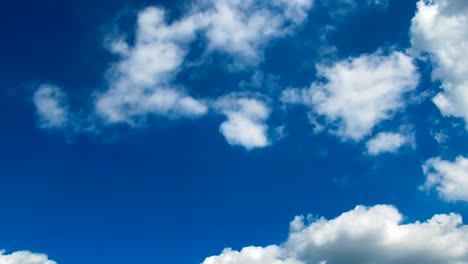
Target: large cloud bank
{"x": 364, "y": 235}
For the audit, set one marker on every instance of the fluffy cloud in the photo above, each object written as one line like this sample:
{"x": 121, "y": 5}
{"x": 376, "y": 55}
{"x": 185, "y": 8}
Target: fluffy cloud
{"x": 449, "y": 179}
{"x": 24, "y": 257}
{"x": 141, "y": 83}
{"x": 243, "y": 27}
{"x": 358, "y": 92}
{"x": 51, "y": 107}
{"x": 246, "y": 121}
{"x": 386, "y": 142}
{"x": 364, "y": 235}
{"x": 252, "y": 255}
{"x": 440, "y": 28}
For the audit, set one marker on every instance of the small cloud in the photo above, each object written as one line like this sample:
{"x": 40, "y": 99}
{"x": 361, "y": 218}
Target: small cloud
{"x": 448, "y": 178}
{"x": 358, "y": 93}
{"x": 51, "y": 107}
{"x": 246, "y": 121}
{"x": 386, "y": 142}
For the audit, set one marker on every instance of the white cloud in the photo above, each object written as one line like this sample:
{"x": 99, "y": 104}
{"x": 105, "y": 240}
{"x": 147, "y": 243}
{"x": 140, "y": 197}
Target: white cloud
{"x": 246, "y": 121}
{"x": 24, "y": 257}
{"x": 141, "y": 83}
{"x": 358, "y": 92}
{"x": 386, "y": 142}
{"x": 243, "y": 27}
{"x": 449, "y": 179}
{"x": 51, "y": 107}
{"x": 251, "y": 255}
{"x": 440, "y": 28}
{"x": 366, "y": 235}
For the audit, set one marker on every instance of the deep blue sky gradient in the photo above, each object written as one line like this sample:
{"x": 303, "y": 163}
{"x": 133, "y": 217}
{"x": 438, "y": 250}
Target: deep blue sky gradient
{"x": 176, "y": 192}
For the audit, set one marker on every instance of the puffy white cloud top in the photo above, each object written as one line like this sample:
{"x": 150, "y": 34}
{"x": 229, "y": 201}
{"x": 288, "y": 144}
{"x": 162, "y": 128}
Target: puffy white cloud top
{"x": 252, "y": 255}
{"x": 24, "y": 257}
{"x": 364, "y": 235}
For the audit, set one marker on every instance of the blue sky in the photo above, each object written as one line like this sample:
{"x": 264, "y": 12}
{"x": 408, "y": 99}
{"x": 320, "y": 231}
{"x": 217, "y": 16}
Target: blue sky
{"x": 234, "y": 132}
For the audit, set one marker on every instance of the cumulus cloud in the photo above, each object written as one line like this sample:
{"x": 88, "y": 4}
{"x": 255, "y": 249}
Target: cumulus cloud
{"x": 246, "y": 121}
{"x": 364, "y": 235}
{"x": 448, "y": 178}
{"x": 386, "y": 142}
{"x": 141, "y": 83}
{"x": 24, "y": 257}
{"x": 51, "y": 108}
{"x": 243, "y": 27}
{"x": 440, "y": 28}
{"x": 358, "y": 93}
{"x": 252, "y": 255}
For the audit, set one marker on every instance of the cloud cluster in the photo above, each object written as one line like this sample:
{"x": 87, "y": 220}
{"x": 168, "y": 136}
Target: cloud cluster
{"x": 358, "y": 93}
{"x": 448, "y": 178}
{"x": 142, "y": 82}
{"x": 24, "y": 257}
{"x": 440, "y": 29}
{"x": 364, "y": 235}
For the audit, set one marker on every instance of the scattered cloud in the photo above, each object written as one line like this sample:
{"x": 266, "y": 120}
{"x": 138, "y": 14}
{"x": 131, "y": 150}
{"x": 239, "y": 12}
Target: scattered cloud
{"x": 358, "y": 93}
{"x": 364, "y": 235}
{"x": 141, "y": 83}
{"x": 243, "y": 27}
{"x": 386, "y": 142}
{"x": 51, "y": 107}
{"x": 449, "y": 179}
{"x": 24, "y": 257}
{"x": 246, "y": 121}
{"x": 339, "y": 9}
{"x": 440, "y": 29}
